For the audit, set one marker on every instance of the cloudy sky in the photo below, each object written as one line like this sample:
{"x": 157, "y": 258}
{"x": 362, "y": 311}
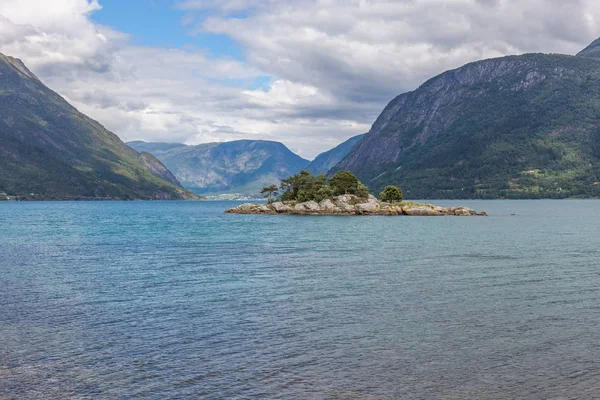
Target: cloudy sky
{"x": 308, "y": 73}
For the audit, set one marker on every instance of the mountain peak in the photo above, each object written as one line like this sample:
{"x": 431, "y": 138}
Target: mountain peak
{"x": 592, "y": 51}
{"x": 49, "y": 150}
{"x": 17, "y": 65}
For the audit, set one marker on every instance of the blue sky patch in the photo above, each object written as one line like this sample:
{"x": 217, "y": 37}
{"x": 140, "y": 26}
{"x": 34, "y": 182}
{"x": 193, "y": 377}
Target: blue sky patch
{"x": 159, "y": 23}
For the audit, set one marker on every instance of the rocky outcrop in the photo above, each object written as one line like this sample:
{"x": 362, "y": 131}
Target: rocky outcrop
{"x": 352, "y": 205}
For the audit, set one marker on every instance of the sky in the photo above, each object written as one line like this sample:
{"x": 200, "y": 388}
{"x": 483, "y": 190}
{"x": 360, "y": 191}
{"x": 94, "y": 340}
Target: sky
{"x": 308, "y": 73}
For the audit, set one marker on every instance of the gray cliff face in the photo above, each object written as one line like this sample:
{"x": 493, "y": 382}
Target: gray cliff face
{"x": 158, "y": 169}
{"x": 414, "y": 117}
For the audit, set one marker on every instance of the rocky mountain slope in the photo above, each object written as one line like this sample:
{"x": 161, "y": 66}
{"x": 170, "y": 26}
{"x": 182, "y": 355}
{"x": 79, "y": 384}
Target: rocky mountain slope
{"x": 592, "y": 51}
{"x": 519, "y": 127}
{"x": 241, "y": 167}
{"x": 49, "y": 150}
{"x": 329, "y": 159}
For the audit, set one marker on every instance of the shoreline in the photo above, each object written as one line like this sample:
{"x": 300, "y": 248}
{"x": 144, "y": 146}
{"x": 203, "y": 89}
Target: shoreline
{"x": 350, "y": 205}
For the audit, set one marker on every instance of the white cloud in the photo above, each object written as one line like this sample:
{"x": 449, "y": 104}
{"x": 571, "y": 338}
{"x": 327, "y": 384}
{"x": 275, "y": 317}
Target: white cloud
{"x": 374, "y": 49}
{"x": 333, "y": 64}
{"x": 48, "y": 33}
{"x": 160, "y": 94}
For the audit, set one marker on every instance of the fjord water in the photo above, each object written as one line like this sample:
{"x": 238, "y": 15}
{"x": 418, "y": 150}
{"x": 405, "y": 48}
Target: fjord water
{"x": 166, "y": 300}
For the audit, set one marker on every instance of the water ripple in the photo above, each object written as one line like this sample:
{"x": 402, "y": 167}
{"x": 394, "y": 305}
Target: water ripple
{"x": 170, "y": 300}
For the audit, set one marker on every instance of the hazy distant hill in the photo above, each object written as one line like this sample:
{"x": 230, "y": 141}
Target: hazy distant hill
{"x": 155, "y": 148}
{"x": 242, "y": 166}
{"x": 520, "y": 126}
{"x": 327, "y": 160}
{"x": 49, "y": 150}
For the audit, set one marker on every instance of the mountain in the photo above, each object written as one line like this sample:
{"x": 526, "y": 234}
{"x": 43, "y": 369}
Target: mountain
{"x": 327, "y": 160}
{"x": 592, "y": 51}
{"x": 518, "y": 127}
{"x": 241, "y": 167}
{"x": 155, "y": 148}
{"x": 49, "y": 150}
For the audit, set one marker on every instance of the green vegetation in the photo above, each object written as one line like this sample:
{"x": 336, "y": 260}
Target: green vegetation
{"x": 531, "y": 131}
{"x": 269, "y": 192}
{"x": 305, "y": 186}
{"x": 345, "y": 182}
{"x": 592, "y": 51}
{"x": 391, "y": 194}
{"x": 407, "y": 204}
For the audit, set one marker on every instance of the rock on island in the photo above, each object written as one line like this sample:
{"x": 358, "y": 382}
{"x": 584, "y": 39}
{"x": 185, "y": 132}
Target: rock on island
{"x": 352, "y": 205}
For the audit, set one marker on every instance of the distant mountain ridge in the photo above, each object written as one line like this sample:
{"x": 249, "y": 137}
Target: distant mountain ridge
{"x": 154, "y": 148}
{"x": 329, "y": 159}
{"x": 49, "y": 150}
{"x": 519, "y": 127}
{"x": 241, "y": 166}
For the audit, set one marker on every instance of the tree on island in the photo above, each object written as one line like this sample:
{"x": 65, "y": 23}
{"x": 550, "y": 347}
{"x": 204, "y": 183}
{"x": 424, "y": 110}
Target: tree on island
{"x": 344, "y": 182}
{"x": 269, "y": 192}
{"x": 292, "y": 185}
{"x": 391, "y": 194}
{"x": 304, "y": 186}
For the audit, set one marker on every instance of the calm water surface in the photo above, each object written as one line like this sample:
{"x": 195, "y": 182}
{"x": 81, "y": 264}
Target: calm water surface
{"x": 176, "y": 300}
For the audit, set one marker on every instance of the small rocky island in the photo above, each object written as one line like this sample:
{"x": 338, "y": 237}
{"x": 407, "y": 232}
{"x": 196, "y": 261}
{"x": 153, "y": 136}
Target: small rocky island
{"x": 352, "y": 205}
{"x": 342, "y": 194}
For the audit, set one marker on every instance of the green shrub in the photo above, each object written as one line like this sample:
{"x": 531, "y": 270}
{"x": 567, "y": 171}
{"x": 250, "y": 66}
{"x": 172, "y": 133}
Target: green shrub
{"x": 391, "y": 194}
{"x": 344, "y": 182}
